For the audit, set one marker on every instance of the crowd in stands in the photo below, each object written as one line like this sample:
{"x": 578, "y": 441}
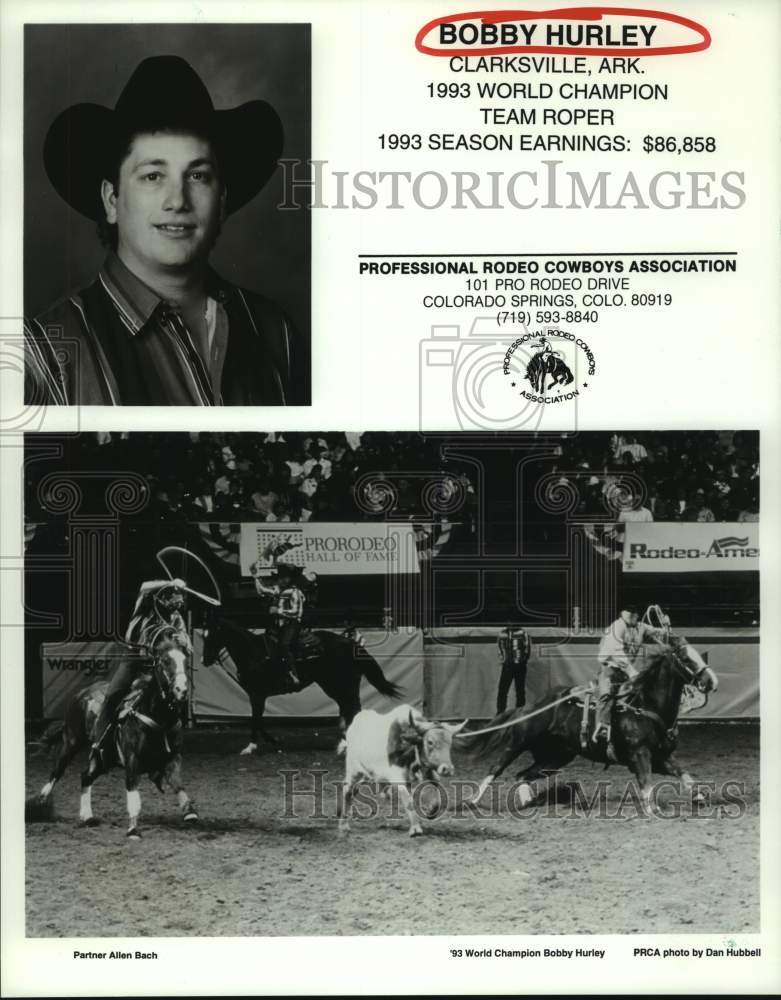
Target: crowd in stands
{"x": 274, "y": 477}
{"x": 279, "y": 477}
{"x": 664, "y": 475}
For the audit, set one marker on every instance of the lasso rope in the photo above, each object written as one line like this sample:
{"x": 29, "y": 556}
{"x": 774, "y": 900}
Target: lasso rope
{"x": 574, "y": 692}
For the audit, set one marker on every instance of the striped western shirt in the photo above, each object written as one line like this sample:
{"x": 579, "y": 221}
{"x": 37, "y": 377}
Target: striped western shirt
{"x": 291, "y": 604}
{"x": 514, "y": 647}
{"x": 118, "y": 343}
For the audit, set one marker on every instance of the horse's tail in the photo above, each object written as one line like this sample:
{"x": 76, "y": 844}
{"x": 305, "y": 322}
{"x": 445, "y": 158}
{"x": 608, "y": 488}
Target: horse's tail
{"x": 40, "y": 808}
{"x": 372, "y": 671}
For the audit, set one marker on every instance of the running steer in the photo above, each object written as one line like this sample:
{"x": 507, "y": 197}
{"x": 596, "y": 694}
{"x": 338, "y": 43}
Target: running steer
{"x": 394, "y": 749}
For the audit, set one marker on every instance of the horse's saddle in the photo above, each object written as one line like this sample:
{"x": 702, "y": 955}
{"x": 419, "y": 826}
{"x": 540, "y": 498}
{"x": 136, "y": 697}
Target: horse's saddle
{"x": 586, "y": 696}
{"x": 134, "y": 695}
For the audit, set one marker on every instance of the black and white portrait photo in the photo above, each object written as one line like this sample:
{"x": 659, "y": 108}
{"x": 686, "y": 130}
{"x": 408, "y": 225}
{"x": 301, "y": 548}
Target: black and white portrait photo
{"x": 158, "y": 269}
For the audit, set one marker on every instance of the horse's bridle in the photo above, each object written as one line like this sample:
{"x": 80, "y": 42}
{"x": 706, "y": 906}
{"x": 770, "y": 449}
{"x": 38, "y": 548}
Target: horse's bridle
{"x": 158, "y": 672}
{"x": 219, "y": 649}
{"x": 690, "y": 675}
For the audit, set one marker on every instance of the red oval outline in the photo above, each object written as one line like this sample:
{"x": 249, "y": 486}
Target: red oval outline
{"x": 563, "y": 14}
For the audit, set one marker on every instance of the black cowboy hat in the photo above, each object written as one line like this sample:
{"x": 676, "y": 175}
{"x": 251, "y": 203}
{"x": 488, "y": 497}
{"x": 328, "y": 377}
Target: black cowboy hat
{"x": 163, "y": 92}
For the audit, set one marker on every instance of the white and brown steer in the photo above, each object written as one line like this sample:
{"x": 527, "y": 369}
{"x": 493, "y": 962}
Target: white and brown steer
{"x": 394, "y": 749}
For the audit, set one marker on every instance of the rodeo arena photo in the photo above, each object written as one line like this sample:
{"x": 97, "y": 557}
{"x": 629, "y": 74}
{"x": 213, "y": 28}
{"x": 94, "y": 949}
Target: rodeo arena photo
{"x": 343, "y": 683}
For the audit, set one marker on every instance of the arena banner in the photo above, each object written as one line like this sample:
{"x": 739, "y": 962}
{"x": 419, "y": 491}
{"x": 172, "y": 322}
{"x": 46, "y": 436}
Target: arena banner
{"x": 659, "y": 547}
{"x": 70, "y": 666}
{"x": 462, "y": 670}
{"x": 331, "y": 548}
{"x": 217, "y": 693}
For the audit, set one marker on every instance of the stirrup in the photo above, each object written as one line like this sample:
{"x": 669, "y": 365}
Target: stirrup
{"x": 602, "y": 731}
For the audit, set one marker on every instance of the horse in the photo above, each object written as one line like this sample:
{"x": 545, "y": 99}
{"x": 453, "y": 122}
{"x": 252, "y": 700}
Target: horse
{"x": 337, "y": 667}
{"x": 644, "y": 731}
{"x": 146, "y": 737}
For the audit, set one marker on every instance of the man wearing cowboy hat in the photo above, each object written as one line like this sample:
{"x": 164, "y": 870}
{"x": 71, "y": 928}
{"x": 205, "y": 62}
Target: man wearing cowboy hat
{"x": 619, "y": 649}
{"x": 514, "y": 649}
{"x": 159, "y": 603}
{"x": 287, "y": 612}
{"x": 159, "y": 174}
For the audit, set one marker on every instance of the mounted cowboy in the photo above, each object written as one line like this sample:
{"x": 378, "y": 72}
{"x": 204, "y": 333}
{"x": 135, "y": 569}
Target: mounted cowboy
{"x": 619, "y": 650}
{"x": 160, "y": 604}
{"x": 286, "y": 611}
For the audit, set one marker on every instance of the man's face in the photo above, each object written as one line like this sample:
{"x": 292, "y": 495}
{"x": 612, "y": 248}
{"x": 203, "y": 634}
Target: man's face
{"x": 630, "y": 617}
{"x": 176, "y": 601}
{"x": 169, "y": 204}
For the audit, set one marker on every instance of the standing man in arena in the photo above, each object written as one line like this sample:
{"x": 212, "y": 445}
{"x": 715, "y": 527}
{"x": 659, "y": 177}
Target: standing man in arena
{"x": 618, "y": 651}
{"x": 159, "y": 603}
{"x": 514, "y": 649}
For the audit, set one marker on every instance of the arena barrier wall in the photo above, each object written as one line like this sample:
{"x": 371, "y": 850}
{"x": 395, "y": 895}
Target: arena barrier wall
{"x": 462, "y": 669}
{"x": 400, "y": 655}
{"x": 70, "y": 666}
{"x": 453, "y": 673}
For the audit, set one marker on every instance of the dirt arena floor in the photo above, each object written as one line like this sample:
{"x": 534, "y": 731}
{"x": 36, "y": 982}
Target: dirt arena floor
{"x": 245, "y": 868}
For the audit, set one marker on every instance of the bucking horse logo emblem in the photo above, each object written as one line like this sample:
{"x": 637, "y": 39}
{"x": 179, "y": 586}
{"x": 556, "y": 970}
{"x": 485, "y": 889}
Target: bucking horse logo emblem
{"x": 545, "y": 361}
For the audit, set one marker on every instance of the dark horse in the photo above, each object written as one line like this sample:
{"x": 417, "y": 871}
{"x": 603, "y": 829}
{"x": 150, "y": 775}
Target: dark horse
{"x": 644, "y": 732}
{"x": 337, "y": 667}
{"x": 146, "y": 737}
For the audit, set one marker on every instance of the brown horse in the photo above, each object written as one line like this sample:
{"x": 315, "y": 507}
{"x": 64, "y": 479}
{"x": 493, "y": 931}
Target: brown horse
{"x": 146, "y": 738}
{"x": 644, "y": 732}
